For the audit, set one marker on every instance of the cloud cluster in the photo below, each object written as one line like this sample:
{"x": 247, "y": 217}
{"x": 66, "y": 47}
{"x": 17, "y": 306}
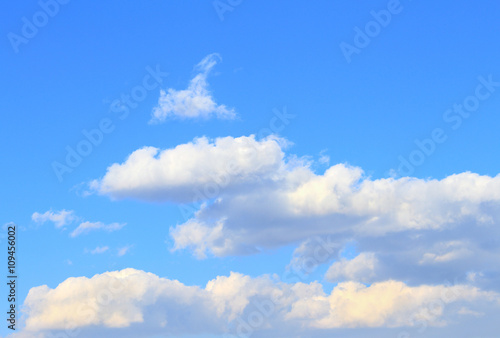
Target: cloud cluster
{"x": 253, "y": 196}
{"x": 146, "y": 303}
{"x": 64, "y": 217}
{"x": 194, "y": 102}
{"x": 261, "y": 179}
{"x": 59, "y": 218}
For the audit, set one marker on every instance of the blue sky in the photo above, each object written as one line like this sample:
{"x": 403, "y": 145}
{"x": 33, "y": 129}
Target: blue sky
{"x": 172, "y": 94}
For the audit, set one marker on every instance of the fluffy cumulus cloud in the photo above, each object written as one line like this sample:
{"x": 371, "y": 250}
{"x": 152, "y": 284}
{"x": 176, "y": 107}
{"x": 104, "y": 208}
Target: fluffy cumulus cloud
{"x": 201, "y": 238}
{"x": 361, "y": 268}
{"x": 128, "y": 302}
{"x": 194, "y": 102}
{"x": 192, "y": 171}
{"x": 297, "y": 204}
{"x": 86, "y": 227}
{"x": 254, "y": 196}
{"x": 59, "y": 218}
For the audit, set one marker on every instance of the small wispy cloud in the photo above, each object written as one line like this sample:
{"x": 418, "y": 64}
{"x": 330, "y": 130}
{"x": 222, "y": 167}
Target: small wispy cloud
{"x": 446, "y": 252}
{"x": 324, "y": 159}
{"x": 59, "y": 218}
{"x": 86, "y": 227}
{"x": 124, "y": 250}
{"x": 194, "y": 102}
{"x": 99, "y": 250}
{"x": 465, "y": 311}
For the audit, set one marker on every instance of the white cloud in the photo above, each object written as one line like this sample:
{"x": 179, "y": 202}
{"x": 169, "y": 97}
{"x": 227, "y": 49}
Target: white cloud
{"x": 361, "y": 268}
{"x": 473, "y": 276}
{"x": 324, "y": 159}
{"x": 299, "y": 204}
{"x": 446, "y": 252}
{"x": 192, "y": 171}
{"x": 254, "y": 197}
{"x": 123, "y": 251}
{"x": 245, "y": 175}
{"x": 392, "y": 304}
{"x": 200, "y": 238}
{"x": 59, "y": 218}
{"x": 467, "y": 312}
{"x": 99, "y": 250}
{"x": 86, "y": 227}
{"x": 129, "y": 302}
{"x": 65, "y": 217}
{"x": 194, "y": 102}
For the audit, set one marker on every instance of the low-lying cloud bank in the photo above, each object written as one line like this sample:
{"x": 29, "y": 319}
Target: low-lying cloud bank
{"x": 136, "y": 303}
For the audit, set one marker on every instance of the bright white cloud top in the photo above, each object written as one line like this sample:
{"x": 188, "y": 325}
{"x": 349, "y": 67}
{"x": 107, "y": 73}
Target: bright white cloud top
{"x": 188, "y": 171}
{"x": 194, "y": 102}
